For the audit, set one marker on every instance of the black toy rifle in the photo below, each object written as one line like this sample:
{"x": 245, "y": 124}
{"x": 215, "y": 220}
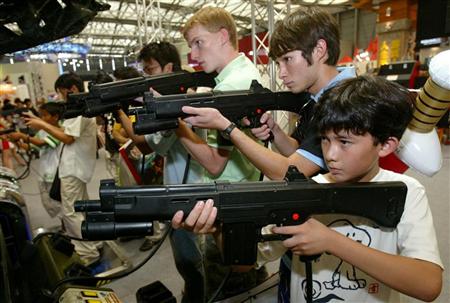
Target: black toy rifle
{"x": 109, "y": 97}
{"x": 243, "y": 208}
{"x": 162, "y": 113}
{"x": 13, "y": 111}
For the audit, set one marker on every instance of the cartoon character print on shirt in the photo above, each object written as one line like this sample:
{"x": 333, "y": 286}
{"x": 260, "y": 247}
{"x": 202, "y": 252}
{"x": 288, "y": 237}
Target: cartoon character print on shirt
{"x": 345, "y": 274}
{"x": 345, "y": 270}
{"x": 317, "y": 288}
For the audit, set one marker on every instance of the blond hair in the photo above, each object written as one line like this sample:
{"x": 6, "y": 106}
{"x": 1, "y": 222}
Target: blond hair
{"x": 213, "y": 19}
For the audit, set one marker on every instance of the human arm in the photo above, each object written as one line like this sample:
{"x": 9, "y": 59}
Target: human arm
{"x": 23, "y": 145}
{"x": 397, "y": 272}
{"x": 15, "y": 136}
{"x": 212, "y": 159}
{"x": 53, "y": 130}
{"x": 118, "y": 136}
{"x": 272, "y": 164}
{"x": 139, "y": 140}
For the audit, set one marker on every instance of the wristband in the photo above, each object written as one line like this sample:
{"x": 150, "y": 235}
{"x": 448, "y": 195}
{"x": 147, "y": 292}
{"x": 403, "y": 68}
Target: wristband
{"x": 226, "y": 133}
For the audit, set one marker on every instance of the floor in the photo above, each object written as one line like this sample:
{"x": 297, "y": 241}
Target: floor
{"x": 161, "y": 267}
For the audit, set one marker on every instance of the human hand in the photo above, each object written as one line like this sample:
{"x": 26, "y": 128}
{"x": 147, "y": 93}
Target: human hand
{"x": 205, "y": 117}
{"x": 309, "y": 238}
{"x": 155, "y": 93}
{"x": 35, "y": 122}
{"x": 200, "y": 220}
{"x": 16, "y": 136}
{"x": 29, "y": 114}
{"x": 263, "y": 132}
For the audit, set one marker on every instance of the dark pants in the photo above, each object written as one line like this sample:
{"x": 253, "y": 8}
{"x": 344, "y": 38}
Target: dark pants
{"x": 189, "y": 263}
{"x": 216, "y": 272}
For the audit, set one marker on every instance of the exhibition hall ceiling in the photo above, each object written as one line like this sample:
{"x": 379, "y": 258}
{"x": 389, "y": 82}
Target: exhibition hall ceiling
{"x": 120, "y": 30}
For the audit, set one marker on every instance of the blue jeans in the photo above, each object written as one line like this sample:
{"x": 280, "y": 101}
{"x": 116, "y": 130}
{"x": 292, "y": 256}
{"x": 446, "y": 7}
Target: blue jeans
{"x": 189, "y": 263}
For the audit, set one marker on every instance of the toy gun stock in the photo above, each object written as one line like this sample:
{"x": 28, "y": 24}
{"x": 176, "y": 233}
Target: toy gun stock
{"x": 243, "y": 208}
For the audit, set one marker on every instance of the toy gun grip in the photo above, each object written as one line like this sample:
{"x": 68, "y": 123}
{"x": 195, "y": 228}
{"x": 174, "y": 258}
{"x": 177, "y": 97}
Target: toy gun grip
{"x": 255, "y": 121}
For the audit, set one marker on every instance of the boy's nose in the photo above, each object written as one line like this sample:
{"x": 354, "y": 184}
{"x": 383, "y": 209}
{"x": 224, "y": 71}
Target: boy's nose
{"x": 281, "y": 73}
{"x": 330, "y": 153}
{"x": 194, "y": 54}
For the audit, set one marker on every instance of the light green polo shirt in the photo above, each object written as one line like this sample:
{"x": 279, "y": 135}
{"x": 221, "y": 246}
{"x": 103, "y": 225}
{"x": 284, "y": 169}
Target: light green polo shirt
{"x": 237, "y": 75}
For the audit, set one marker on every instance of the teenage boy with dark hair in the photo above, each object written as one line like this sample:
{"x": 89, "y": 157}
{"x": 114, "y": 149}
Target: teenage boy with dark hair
{"x": 76, "y": 165}
{"x": 160, "y": 58}
{"x": 360, "y": 120}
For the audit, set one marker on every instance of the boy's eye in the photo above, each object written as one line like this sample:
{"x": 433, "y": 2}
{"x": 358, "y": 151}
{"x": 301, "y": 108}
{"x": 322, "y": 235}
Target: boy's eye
{"x": 345, "y": 142}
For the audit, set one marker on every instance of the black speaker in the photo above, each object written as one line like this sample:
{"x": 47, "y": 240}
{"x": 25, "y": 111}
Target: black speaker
{"x": 433, "y": 20}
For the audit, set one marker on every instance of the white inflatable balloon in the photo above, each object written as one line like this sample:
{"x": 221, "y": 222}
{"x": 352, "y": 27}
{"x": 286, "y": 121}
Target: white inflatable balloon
{"x": 421, "y": 151}
{"x": 420, "y": 147}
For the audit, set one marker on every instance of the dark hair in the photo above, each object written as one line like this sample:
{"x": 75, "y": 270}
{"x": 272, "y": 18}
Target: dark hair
{"x": 366, "y": 104}
{"x": 102, "y": 77}
{"x": 68, "y": 80}
{"x": 301, "y": 30}
{"x": 53, "y": 108}
{"x": 163, "y": 53}
{"x": 128, "y": 72}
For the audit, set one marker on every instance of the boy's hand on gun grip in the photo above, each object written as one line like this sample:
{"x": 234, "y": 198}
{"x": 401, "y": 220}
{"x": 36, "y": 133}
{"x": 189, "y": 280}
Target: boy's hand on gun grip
{"x": 309, "y": 238}
{"x": 263, "y": 132}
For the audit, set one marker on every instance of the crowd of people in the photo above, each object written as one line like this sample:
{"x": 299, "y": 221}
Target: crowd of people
{"x": 349, "y": 123}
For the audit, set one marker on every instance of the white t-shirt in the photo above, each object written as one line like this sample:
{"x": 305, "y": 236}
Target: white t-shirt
{"x": 49, "y": 156}
{"x": 78, "y": 158}
{"x": 414, "y": 237}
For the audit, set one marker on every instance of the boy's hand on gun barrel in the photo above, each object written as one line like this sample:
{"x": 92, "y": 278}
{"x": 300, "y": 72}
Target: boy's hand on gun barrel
{"x": 200, "y": 220}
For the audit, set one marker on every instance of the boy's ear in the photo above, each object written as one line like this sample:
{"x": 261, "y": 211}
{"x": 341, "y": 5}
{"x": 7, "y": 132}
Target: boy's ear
{"x": 168, "y": 68}
{"x": 388, "y": 147}
{"x": 74, "y": 89}
{"x": 321, "y": 49}
{"x": 225, "y": 37}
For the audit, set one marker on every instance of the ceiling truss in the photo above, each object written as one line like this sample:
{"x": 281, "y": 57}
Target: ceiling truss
{"x": 131, "y": 23}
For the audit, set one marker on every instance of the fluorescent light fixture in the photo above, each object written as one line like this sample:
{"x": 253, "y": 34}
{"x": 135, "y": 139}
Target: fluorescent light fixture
{"x": 431, "y": 41}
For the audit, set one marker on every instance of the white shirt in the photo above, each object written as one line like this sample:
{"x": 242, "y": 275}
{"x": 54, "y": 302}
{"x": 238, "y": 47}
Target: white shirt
{"x": 335, "y": 280}
{"x": 78, "y": 158}
{"x": 48, "y": 156}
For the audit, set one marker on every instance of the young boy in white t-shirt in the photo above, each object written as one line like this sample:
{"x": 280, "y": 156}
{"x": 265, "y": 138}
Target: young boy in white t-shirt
{"x": 49, "y": 149}
{"x": 360, "y": 120}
